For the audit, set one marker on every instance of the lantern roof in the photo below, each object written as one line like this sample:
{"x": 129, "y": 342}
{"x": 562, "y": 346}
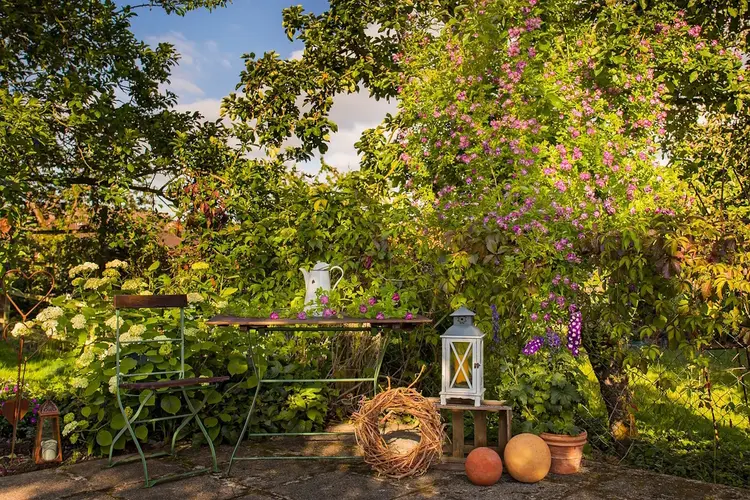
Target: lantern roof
{"x": 462, "y": 311}
{"x": 48, "y": 409}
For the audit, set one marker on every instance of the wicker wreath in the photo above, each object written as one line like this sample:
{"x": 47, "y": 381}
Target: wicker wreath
{"x": 403, "y": 400}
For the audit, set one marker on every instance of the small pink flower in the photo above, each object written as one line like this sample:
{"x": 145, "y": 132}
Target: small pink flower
{"x": 409, "y": 316}
{"x": 327, "y": 313}
{"x": 363, "y": 309}
{"x": 301, "y": 315}
{"x": 324, "y": 299}
{"x": 274, "y": 315}
{"x": 372, "y": 301}
{"x": 380, "y": 315}
{"x": 396, "y": 297}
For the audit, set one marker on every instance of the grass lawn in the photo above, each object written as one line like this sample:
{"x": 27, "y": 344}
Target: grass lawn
{"x": 675, "y": 418}
{"x": 45, "y": 372}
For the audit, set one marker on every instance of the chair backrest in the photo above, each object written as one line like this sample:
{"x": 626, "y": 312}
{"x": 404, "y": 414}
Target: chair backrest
{"x": 150, "y": 302}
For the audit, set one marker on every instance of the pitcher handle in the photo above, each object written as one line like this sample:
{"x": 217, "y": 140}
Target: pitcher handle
{"x": 342, "y": 276}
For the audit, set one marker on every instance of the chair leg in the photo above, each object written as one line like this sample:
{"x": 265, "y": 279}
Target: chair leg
{"x": 122, "y": 431}
{"x": 132, "y": 434}
{"x": 194, "y": 412}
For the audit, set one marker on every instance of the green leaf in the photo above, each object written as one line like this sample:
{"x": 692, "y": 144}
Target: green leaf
{"x": 118, "y": 422}
{"x": 104, "y": 438}
{"x": 86, "y": 411}
{"x": 237, "y": 366}
{"x": 127, "y": 364}
{"x": 211, "y": 422}
{"x": 170, "y": 404}
{"x": 213, "y": 397}
{"x": 141, "y": 432}
{"x": 693, "y": 76}
{"x": 153, "y": 267}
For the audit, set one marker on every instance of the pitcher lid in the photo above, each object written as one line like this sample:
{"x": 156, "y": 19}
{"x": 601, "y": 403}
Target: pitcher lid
{"x": 321, "y": 266}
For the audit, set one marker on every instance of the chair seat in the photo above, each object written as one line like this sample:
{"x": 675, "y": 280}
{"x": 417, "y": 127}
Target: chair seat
{"x": 183, "y": 382}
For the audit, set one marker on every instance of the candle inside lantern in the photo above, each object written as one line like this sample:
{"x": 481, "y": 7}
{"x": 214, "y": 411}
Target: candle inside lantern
{"x": 49, "y": 450}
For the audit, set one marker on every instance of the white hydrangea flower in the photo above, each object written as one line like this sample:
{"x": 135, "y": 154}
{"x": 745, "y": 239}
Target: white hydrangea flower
{"x": 69, "y": 428}
{"x": 85, "y": 359}
{"x": 78, "y": 321}
{"x": 113, "y": 384}
{"x": 133, "y": 284}
{"x": 133, "y": 334}
{"x": 161, "y": 337}
{"x": 112, "y": 322}
{"x": 146, "y": 292}
{"x": 191, "y": 332}
{"x": 50, "y": 328}
{"x": 221, "y": 304}
{"x": 108, "y": 353}
{"x": 111, "y": 273}
{"x": 195, "y": 298}
{"x": 95, "y": 283}
{"x": 114, "y": 264}
{"x": 79, "y": 382}
{"x": 83, "y": 268}
{"x": 165, "y": 350}
{"x": 22, "y": 329}
{"x": 52, "y": 312}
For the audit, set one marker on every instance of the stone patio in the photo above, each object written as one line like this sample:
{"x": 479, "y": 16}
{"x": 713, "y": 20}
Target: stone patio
{"x": 307, "y": 479}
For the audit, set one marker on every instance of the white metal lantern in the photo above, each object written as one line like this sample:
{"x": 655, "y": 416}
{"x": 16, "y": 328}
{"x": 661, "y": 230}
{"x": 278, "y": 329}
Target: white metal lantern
{"x": 463, "y": 357}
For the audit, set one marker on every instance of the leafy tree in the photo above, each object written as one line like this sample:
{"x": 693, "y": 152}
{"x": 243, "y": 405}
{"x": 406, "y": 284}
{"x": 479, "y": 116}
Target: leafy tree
{"x": 82, "y": 109}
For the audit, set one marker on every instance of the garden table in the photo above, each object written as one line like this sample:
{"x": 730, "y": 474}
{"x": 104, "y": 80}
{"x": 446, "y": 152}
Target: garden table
{"x": 264, "y": 326}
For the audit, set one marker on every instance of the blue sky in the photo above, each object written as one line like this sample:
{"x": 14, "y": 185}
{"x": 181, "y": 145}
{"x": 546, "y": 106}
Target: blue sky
{"x": 212, "y": 44}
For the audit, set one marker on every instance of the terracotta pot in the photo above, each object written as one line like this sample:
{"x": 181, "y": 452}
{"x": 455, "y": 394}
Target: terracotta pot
{"x": 566, "y": 451}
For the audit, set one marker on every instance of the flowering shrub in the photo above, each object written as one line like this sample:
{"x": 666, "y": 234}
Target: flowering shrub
{"x": 536, "y": 158}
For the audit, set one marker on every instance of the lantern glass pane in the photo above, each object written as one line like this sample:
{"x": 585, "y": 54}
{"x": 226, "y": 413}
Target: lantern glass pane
{"x": 461, "y": 363}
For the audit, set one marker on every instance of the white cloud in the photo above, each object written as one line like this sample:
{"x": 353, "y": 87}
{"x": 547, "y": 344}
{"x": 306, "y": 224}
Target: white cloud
{"x": 353, "y": 113}
{"x": 297, "y": 54}
{"x": 182, "y": 87}
{"x": 209, "y": 108}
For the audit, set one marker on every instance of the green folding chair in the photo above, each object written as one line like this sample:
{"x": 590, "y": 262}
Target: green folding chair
{"x": 124, "y": 389}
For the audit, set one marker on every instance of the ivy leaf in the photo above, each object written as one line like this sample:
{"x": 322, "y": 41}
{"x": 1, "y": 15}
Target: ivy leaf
{"x": 237, "y": 366}
{"x": 104, "y": 438}
{"x": 170, "y": 404}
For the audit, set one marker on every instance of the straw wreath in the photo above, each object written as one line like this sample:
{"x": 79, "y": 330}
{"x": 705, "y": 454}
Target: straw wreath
{"x": 403, "y": 400}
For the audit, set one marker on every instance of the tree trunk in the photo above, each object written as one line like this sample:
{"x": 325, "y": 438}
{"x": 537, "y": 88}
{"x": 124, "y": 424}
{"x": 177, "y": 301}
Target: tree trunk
{"x": 616, "y": 393}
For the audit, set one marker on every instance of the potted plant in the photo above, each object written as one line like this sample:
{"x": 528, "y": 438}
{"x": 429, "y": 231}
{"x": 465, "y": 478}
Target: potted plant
{"x": 543, "y": 384}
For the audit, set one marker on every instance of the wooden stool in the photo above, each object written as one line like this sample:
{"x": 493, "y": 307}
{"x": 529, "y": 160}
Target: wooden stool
{"x": 459, "y": 448}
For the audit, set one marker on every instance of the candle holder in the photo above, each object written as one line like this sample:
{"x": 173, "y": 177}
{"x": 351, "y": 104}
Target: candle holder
{"x": 48, "y": 447}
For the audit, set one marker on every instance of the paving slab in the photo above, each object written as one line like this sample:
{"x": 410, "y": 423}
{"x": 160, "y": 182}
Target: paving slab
{"x": 332, "y": 479}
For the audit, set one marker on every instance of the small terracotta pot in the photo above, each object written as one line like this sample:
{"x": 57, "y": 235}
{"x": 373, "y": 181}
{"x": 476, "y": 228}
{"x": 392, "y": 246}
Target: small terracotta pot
{"x": 566, "y": 451}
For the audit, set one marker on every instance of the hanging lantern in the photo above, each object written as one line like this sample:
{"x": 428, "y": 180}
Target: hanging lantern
{"x": 463, "y": 356}
{"x": 48, "y": 446}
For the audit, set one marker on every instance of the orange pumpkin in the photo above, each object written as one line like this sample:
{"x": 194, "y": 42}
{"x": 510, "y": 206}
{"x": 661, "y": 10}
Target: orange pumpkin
{"x": 483, "y": 466}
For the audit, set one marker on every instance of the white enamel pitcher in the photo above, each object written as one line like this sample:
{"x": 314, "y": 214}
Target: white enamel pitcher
{"x": 319, "y": 277}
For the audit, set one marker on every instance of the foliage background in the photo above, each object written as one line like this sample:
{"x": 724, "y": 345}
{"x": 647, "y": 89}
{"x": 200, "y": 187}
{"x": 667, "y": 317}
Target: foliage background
{"x": 656, "y": 288}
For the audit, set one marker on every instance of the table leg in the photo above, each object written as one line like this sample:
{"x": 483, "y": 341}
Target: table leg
{"x": 383, "y": 347}
{"x": 251, "y": 356}
{"x": 503, "y": 429}
{"x": 458, "y": 433}
{"x": 480, "y": 428}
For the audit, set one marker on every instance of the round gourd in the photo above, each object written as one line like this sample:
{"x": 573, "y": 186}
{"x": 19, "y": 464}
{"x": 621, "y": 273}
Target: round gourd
{"x": 527, "y": 458}
{"x": 483, "y": 466}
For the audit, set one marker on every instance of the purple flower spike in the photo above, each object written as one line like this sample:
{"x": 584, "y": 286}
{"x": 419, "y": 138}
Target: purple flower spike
{"x": 533, "y": 346}
{"x": 574, "y": 332}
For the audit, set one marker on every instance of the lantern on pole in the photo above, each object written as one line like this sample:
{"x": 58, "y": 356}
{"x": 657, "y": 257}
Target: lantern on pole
{"x": 463, "y": 358}
{"x": 48, "y": 447}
